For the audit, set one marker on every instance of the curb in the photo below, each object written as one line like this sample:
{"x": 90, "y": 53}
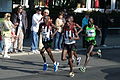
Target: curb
{"x": 103, "y": 48}
{"x": 82, "y": 49}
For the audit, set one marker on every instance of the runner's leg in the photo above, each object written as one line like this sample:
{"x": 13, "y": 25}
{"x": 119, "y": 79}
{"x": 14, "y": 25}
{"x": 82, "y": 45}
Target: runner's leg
{"x": 50, "y": 54}
{"x": 89, "y": 50}
{"x": 63, "y": 55}
{"x": 43, "y": 54}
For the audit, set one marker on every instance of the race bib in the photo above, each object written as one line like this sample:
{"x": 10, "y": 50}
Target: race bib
{"x": 44, "y": 34}
{"x": 90, "y": 33}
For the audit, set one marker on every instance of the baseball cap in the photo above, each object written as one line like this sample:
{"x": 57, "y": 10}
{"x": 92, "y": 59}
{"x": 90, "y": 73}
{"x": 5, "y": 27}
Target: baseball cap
{"x": 20, "y": 7}
{"x": 38, "y": 9}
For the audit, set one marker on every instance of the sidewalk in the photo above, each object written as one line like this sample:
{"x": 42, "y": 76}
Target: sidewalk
{"x": 112, "y": 42}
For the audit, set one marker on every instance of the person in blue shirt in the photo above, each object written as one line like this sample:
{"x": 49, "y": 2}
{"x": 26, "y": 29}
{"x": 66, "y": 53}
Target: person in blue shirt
{"x": 85, "y": 20}
{"x": 84, "y": 23}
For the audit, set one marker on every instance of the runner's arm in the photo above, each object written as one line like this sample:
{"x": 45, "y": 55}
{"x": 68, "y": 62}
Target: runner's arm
{"x": 80, "y": 28}
{"x": 76, "y": 37}
{"x": 97, "y": 28}
{"x": 56, "y": 29}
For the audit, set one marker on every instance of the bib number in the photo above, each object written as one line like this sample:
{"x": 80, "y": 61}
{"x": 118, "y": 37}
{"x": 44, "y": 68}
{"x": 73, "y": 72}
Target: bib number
{"x": 90, "y": 33}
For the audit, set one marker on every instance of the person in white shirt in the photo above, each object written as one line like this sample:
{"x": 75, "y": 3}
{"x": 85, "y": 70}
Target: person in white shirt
{"x": 36, "y": 20}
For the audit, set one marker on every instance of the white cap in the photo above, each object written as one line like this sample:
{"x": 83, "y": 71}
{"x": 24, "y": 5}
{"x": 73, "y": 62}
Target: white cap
{"x": 46, "y": 10}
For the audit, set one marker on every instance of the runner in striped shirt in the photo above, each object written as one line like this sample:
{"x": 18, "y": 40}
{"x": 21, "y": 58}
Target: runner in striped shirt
{"x": 70, "y": 35}
{"x": 47, "y": 36}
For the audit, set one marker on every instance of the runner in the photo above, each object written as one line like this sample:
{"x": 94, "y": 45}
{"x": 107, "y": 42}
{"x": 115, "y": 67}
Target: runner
{"x": 47, "y": 37}
{"x": 73, "y": 24}
{"x": 70, "y": 35}
{"x": 90, "y": 34}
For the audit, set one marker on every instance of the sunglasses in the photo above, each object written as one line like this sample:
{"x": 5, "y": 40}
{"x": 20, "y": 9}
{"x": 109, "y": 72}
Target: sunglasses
{"x": 46, "y": 12}
{"x": 8, "y": 16}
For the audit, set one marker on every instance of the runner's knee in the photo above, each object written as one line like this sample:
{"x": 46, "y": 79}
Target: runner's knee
{"x": 42, "y": 51}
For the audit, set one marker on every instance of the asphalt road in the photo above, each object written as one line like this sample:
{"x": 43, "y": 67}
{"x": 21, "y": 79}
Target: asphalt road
{"x": 29, "y": 67}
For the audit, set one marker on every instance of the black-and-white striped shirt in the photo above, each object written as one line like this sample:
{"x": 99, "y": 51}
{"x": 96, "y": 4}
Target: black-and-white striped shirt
{"x": 67, "y": 35}
{"x": 46, "y": 33}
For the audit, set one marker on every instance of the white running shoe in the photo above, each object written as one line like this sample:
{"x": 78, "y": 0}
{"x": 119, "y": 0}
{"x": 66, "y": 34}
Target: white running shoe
{"x": 6, "y": 56}
{"x": 99, "y": 53}
{"x": 56, "y": 49}
{"x": 104, "y": 45}
{"x": 37, "y": 51}
{"x": 34, "y": 51}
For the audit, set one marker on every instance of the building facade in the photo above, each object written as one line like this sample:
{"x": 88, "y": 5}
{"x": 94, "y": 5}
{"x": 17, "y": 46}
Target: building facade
{"x": 112, "y": 4}
{"x": 89, "y": 5}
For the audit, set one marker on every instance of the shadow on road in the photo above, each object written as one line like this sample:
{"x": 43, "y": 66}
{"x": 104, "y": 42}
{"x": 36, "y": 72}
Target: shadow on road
{"x": 112, "y": 55}
{"x": 112, "y": 73}
{"x": 21, "y": 65}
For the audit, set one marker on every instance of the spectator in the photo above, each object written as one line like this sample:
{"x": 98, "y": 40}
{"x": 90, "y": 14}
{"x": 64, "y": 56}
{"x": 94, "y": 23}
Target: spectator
{"x": 20, "y": 20}
{"x": 36, "y": 19}
{"x": 84, "y": 23}
{"x": 105, "y": 23}
{"x": 13, "y": 38}
{"x": 1, "y": 44}
{"x": 85, "y": 20}
{"x": 46, "y": 12}
{"x": 58, "y": 37}
{"x": 7, "y": 26}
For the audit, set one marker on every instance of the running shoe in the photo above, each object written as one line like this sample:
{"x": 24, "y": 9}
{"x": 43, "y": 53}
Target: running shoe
{"x": 78, "y": 61}
{"x": 71, "y": 74}
{"x": 99, "y": 53}
{"x": 56, "y": 64}
{"x": 34, "y": 51}
{"x": 56, "y": 49}
{"x": 6, "y": 56}
{"x": 37, "y": 51}
{"x": 45, "y": 67}
{"x": 104, "y": 45}
{"x": 82, "y": 69}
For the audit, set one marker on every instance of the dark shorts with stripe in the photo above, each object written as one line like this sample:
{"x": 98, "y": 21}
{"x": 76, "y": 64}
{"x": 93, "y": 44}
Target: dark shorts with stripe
{"x": 70, "y": 47}
{"x": 88, "y": 43}
{"x": 47, "y": 44}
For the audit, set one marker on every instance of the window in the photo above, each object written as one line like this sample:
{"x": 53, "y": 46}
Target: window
{"x": 5, "y": 5}
{"x": 117, "y": 6}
